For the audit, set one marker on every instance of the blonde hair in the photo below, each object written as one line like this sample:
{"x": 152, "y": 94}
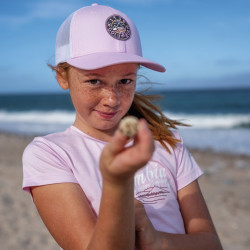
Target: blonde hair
{"x": 143, "y": 106}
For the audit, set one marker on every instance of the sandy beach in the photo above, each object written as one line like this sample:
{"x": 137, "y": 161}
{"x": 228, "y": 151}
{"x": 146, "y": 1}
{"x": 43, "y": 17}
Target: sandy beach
{"x": 225, "y": 185}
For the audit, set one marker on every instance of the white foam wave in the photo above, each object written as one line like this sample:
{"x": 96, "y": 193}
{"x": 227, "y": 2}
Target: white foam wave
{"x": 234, "y": 141}
{"x": 217, "y": 132}
{"x": 66, "y": 118}
{"x": 212, "y": 121}
{"x": 38, "y": 116}
{"x": 36, "y": 122}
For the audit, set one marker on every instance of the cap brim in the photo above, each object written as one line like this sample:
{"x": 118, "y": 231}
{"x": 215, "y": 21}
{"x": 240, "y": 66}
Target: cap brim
{"x": 104, "y": 59}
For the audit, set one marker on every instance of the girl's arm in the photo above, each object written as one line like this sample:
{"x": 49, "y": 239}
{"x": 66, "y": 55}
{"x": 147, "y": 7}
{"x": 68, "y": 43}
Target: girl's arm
{"x": 200, "y": 231}
{"x": 66, "y": 211}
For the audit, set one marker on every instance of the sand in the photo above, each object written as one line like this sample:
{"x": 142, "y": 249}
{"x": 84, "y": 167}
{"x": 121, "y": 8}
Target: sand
{"x": 225, "y": 185}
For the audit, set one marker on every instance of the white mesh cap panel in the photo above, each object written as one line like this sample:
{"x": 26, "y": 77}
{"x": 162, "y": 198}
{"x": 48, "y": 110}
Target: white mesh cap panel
{"x": 63, "y": 47}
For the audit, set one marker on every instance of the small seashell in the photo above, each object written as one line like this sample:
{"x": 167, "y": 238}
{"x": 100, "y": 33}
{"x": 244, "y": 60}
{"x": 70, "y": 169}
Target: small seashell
{"x": 128, "y": 126}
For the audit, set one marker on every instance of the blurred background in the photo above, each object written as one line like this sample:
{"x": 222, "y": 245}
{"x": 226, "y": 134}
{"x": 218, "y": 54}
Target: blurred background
{"x": 205, "y": 47}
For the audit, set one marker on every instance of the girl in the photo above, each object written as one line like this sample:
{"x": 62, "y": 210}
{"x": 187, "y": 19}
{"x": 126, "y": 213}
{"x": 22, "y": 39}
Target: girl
{"x": 93, "y": 187}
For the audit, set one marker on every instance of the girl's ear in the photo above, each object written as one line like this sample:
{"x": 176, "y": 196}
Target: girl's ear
{"x": 62, "y": 78}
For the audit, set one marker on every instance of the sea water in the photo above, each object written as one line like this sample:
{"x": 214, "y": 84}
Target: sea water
{"x": 219, "y": 119}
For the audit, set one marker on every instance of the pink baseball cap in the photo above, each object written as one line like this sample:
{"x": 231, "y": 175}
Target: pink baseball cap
{"x": 97, "y": 36}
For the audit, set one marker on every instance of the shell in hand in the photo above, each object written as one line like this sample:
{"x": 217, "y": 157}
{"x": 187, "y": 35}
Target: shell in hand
{"x": 128, "y": 126}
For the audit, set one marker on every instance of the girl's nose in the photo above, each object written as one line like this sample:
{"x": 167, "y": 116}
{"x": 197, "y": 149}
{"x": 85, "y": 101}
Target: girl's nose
{"x": 111, "y": 97}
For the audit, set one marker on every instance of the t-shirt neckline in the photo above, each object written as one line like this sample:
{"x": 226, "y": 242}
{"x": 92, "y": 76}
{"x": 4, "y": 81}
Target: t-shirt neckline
{"x": 72, "y": 127}
{"x": 86, "y": 135}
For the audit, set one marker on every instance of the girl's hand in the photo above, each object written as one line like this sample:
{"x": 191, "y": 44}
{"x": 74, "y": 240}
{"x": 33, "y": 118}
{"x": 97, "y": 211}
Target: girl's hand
{"x": 119, "y": 163}
{"x": 147, "y": 238}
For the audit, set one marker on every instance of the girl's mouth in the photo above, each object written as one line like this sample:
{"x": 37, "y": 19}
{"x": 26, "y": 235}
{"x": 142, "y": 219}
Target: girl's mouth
{"x": 107, "y": 115}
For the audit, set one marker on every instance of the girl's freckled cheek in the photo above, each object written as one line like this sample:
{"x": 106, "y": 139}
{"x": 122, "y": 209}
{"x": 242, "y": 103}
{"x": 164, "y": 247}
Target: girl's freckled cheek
{"x": 127, "y": 93}
{"x": 88, "y": 92}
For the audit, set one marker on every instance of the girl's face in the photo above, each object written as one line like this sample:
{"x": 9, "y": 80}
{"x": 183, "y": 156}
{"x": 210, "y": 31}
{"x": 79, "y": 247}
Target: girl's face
{"x": 102, "y": 97}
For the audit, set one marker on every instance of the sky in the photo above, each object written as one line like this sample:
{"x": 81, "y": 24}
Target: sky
{"x": 202, "y": 44}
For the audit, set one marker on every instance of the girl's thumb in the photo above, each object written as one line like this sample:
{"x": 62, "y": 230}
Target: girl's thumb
{"x": 117, "y": 143}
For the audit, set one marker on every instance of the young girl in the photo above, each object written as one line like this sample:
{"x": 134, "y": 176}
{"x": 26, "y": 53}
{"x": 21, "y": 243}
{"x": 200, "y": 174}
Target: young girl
{"x": 92, "y": 186}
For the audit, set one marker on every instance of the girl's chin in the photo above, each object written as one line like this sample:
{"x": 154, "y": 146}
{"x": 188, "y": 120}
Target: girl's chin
{"x": 108, "y": 127}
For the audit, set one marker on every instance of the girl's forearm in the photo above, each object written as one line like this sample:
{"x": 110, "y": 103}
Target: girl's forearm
{"x": 115, "y": 224}
{"x": 150, "y": 239}
{"x": 201, "y": 240}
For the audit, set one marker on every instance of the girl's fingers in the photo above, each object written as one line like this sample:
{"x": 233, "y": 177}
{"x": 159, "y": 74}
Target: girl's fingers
{"x": 116, "y": 144}
{"x": 144, "y": 140}
{"x": 119, "y": 160}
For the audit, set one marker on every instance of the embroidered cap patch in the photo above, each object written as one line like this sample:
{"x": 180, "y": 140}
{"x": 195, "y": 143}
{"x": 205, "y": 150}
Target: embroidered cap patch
{"x": 118, "y": 28}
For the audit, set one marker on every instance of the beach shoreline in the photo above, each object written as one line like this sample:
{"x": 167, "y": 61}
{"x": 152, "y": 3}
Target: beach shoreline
{"x": 225, "y": 186}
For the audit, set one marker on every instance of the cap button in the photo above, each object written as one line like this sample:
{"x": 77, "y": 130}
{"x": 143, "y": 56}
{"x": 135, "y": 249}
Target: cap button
{"x": 94, "y": 4}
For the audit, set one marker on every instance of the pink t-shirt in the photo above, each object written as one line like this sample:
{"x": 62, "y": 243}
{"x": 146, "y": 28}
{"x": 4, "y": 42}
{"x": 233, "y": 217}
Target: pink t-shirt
{"x": 73, "y": 156}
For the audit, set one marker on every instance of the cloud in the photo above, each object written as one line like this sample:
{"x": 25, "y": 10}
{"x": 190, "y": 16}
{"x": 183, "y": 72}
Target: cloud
{"x": 228, "y": 81}
{"x": 41, "y": 10}
{"x": 53, "y": 9}
{"x": 142, "y": 2}
{"x": 245, "y": 20}
{"x": 232, "y": 62}
{"x": 227, "y": 62}
{"x": 150, "y": 2}
{"x": 14, "y": 21}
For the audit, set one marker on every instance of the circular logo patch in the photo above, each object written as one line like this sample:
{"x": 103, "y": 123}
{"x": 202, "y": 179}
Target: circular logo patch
{"x": 118, "y": 28}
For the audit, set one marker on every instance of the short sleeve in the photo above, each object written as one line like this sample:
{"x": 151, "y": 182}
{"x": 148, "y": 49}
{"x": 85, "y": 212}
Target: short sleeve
{"x": 187, "y": 169}
{"x": 45, "y": 163}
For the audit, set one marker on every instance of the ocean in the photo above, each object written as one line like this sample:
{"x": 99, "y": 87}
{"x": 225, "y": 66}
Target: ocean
{"x": 219, "y": 119}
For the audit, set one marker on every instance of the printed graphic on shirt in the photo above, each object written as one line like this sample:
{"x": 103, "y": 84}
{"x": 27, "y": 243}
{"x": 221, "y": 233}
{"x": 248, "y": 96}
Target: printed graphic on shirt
{"x": 118, "y": 28}
{"x": 151, "y": 184}
{"x": 152, "y": 195}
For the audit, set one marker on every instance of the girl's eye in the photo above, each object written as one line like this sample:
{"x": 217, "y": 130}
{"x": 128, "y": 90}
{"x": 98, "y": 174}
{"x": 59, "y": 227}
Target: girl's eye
{"x": 94, "y": 82}
{"x": 125, "y": 81}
